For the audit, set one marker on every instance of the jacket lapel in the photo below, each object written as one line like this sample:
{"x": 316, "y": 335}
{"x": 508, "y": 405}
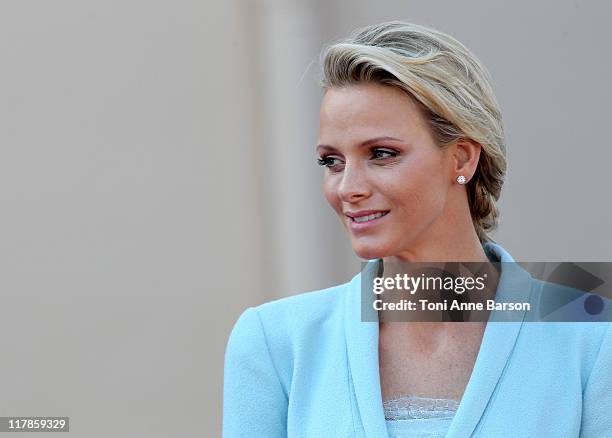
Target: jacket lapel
{"x": 362, "y": 350}
{"x": 498, "y": 341}
{"x": 496, "y": 347}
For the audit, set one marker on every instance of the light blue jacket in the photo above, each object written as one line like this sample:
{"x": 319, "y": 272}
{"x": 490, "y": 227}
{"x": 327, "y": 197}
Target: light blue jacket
{"x": 306, "y": 366}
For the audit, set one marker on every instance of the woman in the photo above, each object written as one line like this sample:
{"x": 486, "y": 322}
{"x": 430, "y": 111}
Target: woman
{"x": 412, "y": 141}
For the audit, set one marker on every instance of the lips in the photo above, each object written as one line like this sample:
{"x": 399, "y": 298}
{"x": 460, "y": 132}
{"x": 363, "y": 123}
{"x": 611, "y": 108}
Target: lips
{"x": 366, "y": 215}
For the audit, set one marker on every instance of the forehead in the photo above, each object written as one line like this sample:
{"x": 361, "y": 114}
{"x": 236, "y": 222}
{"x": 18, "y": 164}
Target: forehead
{"x": 369, "y": 109}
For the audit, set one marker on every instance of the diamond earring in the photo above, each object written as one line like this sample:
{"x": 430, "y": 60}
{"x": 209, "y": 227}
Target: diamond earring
{"x": 461, "y": 179}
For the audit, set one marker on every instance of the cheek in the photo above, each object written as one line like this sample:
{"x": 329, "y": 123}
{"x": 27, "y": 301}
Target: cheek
{"x": 417, "y": 191}
{"x": 330, "y": 192}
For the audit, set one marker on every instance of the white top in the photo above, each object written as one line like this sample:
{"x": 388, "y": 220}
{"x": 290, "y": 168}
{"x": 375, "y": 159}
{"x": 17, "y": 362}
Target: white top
{"x": 419, "y": 417}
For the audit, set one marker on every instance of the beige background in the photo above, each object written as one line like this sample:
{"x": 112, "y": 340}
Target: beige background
{"x": 158, "y": 176}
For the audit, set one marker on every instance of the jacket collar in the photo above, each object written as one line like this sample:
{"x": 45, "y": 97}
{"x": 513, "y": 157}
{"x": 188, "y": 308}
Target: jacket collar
{"x": 497, "y": 344}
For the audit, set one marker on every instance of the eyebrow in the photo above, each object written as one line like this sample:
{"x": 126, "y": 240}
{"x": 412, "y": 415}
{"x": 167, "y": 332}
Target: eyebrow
{"x": 362, "y": 144}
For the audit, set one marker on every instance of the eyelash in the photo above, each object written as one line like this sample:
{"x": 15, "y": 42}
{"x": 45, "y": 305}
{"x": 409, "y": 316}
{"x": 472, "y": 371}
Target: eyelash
{"x": 328, "y": 159}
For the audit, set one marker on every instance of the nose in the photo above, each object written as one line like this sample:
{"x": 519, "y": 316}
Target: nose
{"x": 353, "y": 185}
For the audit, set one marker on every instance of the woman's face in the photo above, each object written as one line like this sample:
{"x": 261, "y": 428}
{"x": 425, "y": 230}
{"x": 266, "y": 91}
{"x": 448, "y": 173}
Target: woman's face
{"x": 386, "y": 177}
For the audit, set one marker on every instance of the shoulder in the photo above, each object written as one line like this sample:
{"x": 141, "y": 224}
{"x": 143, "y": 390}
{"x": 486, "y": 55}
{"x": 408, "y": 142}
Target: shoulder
{"x": 290, "y": 316}
{"x": 555, "y": 302}
{"x": 288, "y": 330}
{"x": 305, "y": 308}
{"x": 293, "y": 317}
{"x": 567, "y": 315}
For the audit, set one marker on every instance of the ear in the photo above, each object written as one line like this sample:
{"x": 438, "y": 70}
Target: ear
{"x": 466, "y": 154}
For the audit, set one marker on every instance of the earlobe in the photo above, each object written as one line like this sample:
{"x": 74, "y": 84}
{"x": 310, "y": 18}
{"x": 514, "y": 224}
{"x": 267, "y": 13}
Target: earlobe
{"x": 467, "y": 154}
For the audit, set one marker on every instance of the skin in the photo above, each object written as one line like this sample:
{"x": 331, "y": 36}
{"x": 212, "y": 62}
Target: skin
{"x": 380, "y": 154}
{"x": 429, "y": 218}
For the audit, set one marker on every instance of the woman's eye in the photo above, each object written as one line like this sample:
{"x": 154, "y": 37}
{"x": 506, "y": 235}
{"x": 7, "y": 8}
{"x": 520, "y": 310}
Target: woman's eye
{"x": 381, "y": 154}
{"x": 329, "y": 162}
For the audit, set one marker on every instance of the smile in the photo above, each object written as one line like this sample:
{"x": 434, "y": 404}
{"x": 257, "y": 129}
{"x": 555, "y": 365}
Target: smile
{"x": 369, "y": 217}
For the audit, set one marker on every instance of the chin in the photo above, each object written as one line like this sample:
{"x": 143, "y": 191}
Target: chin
{"x": 369, "y": 251}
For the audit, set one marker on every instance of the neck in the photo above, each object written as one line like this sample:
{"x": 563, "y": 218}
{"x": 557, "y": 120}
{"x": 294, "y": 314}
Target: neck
{"x": 451, "y": 238}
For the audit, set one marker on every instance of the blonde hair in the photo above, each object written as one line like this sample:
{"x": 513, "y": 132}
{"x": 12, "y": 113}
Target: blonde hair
{"x": 452, "y": 87}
